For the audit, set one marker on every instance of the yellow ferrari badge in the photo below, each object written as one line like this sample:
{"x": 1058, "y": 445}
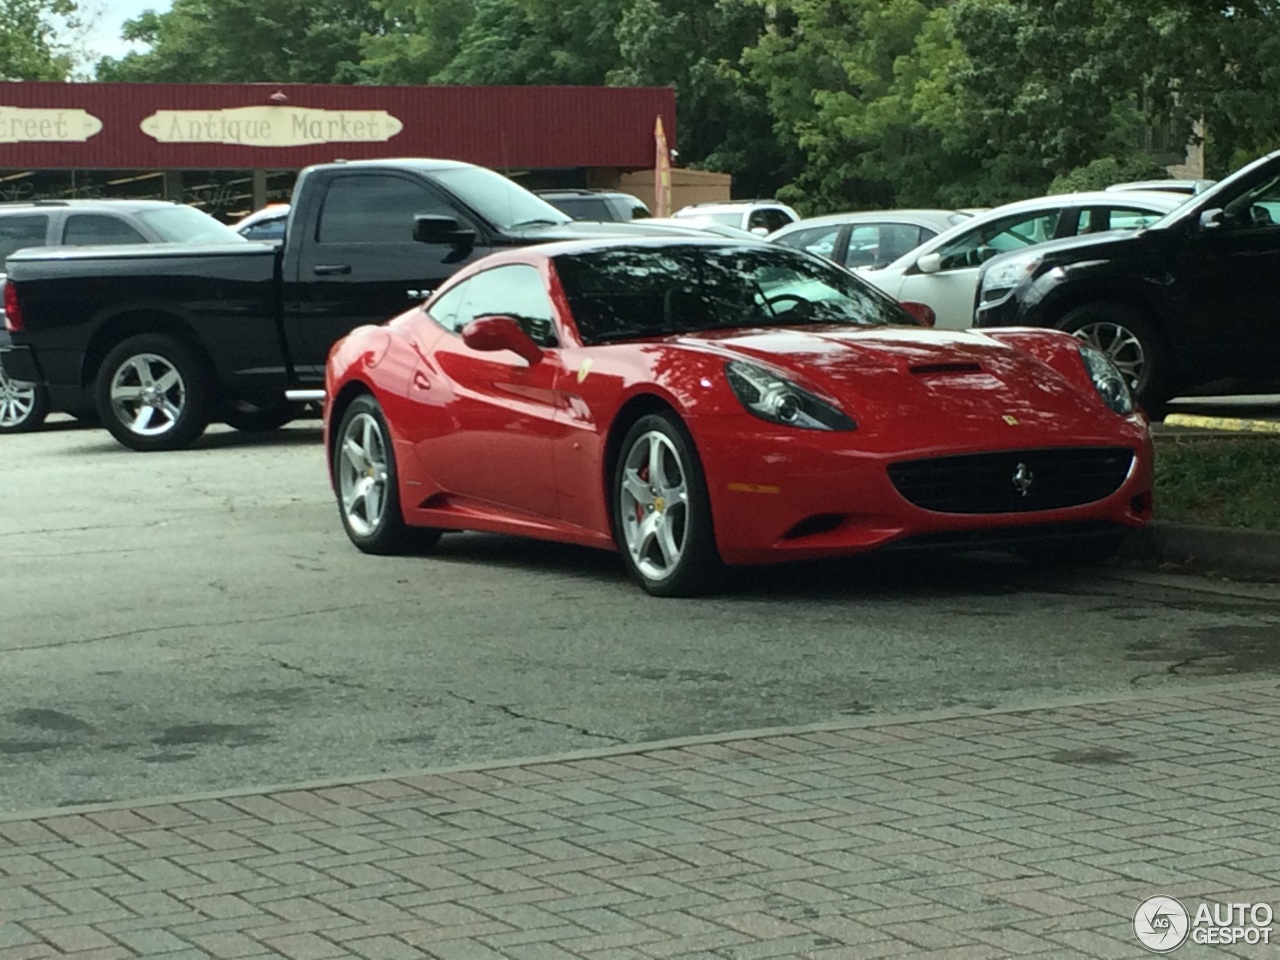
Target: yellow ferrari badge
{"x": 1010, "y": 419}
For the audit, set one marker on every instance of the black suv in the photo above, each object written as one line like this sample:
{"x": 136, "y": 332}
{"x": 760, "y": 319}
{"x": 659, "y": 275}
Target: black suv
{"x": 1185, "y": 303}
{"x": 76, "y": 223}
{"x": 605, "y": 206}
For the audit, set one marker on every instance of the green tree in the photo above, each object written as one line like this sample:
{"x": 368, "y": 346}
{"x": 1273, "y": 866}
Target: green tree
{"x": 29, "y": 44}
{"x": 225, "y": 41}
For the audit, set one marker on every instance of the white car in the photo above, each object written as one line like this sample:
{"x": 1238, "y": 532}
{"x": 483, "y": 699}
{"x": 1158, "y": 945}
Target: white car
{"x": 867, "y": 238}
{"x": 757, "y": 216}
{"x": 943, "y": 273}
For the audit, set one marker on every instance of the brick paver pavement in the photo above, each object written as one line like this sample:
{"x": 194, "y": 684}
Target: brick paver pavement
{"x": 993, "y": 834}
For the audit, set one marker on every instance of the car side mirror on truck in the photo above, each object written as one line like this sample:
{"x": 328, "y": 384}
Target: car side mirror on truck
{"x": 501, "y": 333}
{"x": 429, "y": 228}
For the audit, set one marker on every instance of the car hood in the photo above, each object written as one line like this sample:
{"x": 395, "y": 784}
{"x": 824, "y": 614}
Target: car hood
{"x": 958, "y": 382}
{"x": 591, "y": 230}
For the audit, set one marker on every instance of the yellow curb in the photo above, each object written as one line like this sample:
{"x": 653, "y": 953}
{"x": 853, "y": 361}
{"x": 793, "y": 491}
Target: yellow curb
{"x": 1232, "y": 424}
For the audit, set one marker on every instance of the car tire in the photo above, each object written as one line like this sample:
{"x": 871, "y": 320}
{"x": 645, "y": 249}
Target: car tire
{"x": 1133, "y": 343}
{"x": 662, "y": 524}
{"x": 250, "y": 417}
{"x": 366, "y": 484}
{"x": 23, "y": 406}
{"x": 1070, "y": 553}
{"x": 155, "y": 393}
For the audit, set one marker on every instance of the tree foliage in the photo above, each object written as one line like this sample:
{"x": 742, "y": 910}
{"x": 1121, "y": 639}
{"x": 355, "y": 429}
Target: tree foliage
{"x": 30, "y": 48}
{"x": 836, "y": 104}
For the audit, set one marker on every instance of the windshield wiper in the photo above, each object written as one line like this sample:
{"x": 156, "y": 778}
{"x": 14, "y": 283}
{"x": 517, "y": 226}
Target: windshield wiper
{"x": 538, "y": 223}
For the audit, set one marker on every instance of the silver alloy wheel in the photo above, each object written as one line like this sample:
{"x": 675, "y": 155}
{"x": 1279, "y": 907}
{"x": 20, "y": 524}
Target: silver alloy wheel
{"x": 654, "y": 501}
{"x": 363, "y": 474}
{"x": 1119, "y": 345}
{"x": 148, "y": 394}
{"x": 17, "y": 400}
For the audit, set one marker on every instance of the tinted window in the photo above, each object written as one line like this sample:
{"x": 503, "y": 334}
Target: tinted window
{"x": 628, "y": 292}
{"x": 1013, "y": 232}
{"x": 19, "y": 232}
{"x": 584, "y": 208}
{"x": 515, "y": 291}
{"x": 375, "y": 208}
{"x": 85, "y": 229}
{"x": 771, "y": 218}
{"x": 265, "y": 230}
{"x": 819, "y": 240}
{"x": 1098, "y": 219}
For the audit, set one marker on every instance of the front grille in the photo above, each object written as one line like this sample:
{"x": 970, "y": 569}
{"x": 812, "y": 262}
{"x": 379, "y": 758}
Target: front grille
{"x": 1013, "y": 481}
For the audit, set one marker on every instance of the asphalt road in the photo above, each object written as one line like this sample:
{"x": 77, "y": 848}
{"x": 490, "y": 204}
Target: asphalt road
{"x": 197, "y": 620}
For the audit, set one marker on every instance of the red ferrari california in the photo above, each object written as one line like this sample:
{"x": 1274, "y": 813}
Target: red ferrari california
{"x": 699, "y": 403}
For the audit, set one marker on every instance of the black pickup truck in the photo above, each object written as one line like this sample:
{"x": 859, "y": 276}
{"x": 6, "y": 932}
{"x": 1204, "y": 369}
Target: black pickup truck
{"x": 161, "y": 340}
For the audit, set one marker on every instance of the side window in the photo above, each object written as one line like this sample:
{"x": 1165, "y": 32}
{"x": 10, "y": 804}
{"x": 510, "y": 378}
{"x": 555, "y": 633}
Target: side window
{"x": 899, "y": 239}
{"x": 265, "y": 230}
{"x": 1013, "y": 232}
{"x": 444, "y": 310}
{"x": 1098, "y": 219}
{"x": 864, "y": 245}
{"x": 516, "y": 290}
{"x": 771, "y": 218}
{"x": 377, "y": 208}
{"x": 819, "y": 240}
{"x": 1258, "y": 208}
{"x": 19, "y": 232}
{"x": 85, "y": 229}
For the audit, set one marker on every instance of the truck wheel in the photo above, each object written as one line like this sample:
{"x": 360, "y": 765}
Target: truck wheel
{"x": 1130, "y": 341}
{"x": 23, "y": 406}
{"x": 260, "y": 418}
{"x": 154, "y": 393}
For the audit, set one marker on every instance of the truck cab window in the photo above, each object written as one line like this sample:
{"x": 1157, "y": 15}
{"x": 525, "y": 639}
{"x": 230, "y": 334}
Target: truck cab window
{"x": 19, "y": 232}
{"x": 376, "y": 208}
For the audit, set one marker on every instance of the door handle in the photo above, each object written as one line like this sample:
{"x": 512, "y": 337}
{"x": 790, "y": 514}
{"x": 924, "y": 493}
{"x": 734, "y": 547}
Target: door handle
{"x": 331, "y": 269}
{"x": 420, "y": 380}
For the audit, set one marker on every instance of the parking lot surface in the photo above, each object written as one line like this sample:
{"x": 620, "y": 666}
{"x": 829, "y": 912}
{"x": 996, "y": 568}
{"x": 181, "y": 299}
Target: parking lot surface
{"x": 197, "y": 621}
{"x": 1034, "y": 834}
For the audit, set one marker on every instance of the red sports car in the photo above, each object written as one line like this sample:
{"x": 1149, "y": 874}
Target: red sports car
{"x": 699, "y": 403}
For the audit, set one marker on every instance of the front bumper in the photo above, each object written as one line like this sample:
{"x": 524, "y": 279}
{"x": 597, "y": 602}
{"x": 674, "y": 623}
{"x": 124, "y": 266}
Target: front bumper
{"x": 802, "y": 495}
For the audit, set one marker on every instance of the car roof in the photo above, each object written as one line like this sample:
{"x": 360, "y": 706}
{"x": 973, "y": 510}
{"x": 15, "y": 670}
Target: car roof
{"x": 920, "y": 217}
{"x": 714, "y": 206}
{"x": 102, "y": 203}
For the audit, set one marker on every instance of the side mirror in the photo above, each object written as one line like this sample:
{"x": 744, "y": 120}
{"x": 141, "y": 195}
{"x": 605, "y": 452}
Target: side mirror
{"x": 501, "y": 333}
{"x": 1211, "y": 219}
{"x": 428, "y": 228}
{"x": 921, "y": 311}
{"x": 929, "y": 263}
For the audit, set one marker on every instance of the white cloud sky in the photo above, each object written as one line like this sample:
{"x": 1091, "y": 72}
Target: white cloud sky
{"x": 107, "y": 18}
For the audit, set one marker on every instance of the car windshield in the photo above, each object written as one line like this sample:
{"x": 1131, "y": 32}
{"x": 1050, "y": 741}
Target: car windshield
{"x": 636, "y": 292}
{"x": 179, "y": 224}
{"x": 501, "y": 201}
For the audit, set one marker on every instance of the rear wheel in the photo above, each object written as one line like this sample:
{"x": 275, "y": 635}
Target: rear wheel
{"x": 367, "y": 485}
{"x": 1131, "y": 341}
{"x": 155, "y": 393}
{"x": 23, "y": 406}
{"x": 661, "y": 511}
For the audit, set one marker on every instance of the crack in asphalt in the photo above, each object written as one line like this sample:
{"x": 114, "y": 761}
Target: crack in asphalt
{"x": 142, "y": 631}
{"x": 1172, "y": 669}
{"x": 325, "y": 677}
{"x": 522, "y": 716}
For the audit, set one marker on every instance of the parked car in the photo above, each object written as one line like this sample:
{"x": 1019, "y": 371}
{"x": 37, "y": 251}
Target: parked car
{"x": 759, "y": 217}
{"x": 943, "y": 272}
{"x": 164, "y": 340}
{"x": 601, "y": 206}
{"x": 265, "y": 224}
{"x": 701, "y": 225}
{"x": 869, "y": 238}
{"x": 25, "y": 404}
{"x": 692, "y": 402}
{"x": 1186, "y": 302}
{"x": 1188, "y": 186}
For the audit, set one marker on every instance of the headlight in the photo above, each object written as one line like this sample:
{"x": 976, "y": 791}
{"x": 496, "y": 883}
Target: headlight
{"x": 1008, "y": 274}
{"x": 772, "y": 398}
{"x": 1107, "y": 380}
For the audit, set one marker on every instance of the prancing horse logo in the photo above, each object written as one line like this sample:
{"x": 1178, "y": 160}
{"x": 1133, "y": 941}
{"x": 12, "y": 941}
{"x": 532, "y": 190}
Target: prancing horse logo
{"x": 1023, "y": 478}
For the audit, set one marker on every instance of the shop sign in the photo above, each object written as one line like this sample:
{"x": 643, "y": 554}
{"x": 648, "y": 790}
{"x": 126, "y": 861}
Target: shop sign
{"x": 59, "y": 125}
{"x": 271, "y": 126}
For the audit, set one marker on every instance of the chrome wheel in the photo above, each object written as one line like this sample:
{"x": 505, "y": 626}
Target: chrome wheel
{"x": 363, "y": 474}
{"x": 1120, "y": 346}
{"x": 654, "y": 505}
{"x": 148, "y": 395}
{"x": 17, "y": 401}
